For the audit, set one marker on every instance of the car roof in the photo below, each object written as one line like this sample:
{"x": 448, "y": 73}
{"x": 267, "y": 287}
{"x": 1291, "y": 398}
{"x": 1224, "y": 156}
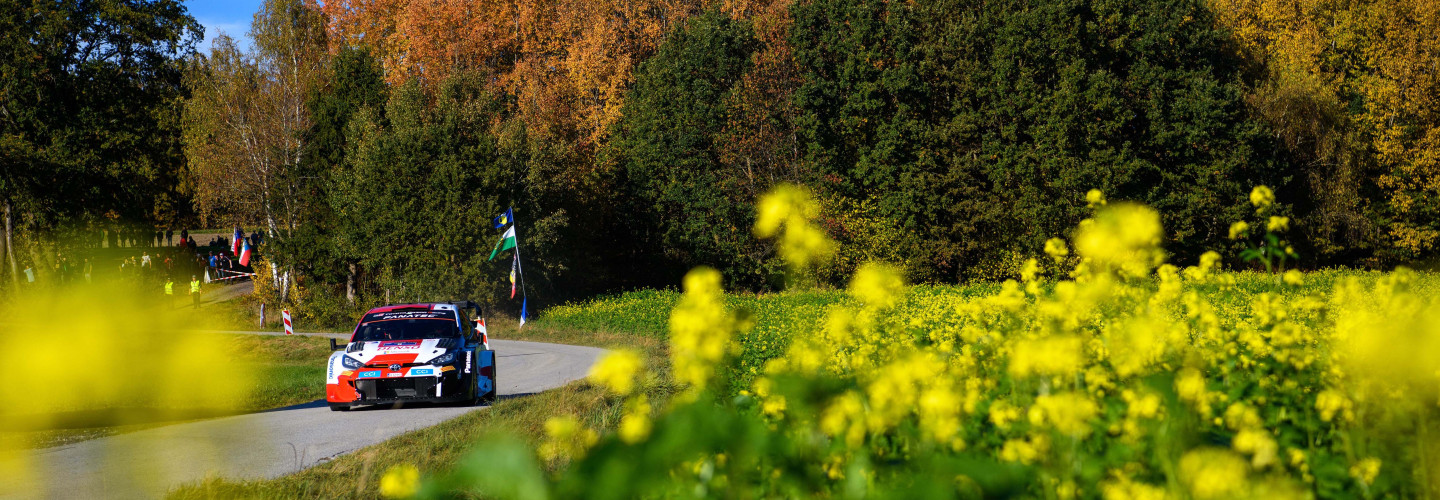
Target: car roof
{"x": 421, "y": 306}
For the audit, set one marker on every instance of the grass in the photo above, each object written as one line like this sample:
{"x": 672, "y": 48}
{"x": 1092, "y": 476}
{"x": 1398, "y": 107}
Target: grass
{"x": 436, "y": 449}
{"x": 289, "y": 370}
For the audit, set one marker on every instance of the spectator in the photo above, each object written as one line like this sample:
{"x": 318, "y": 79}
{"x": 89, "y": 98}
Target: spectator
{"x": 214, "y": 263}
{"x": 145, "y": 260}
{"x": 184, "y": 235}
{"x": 29, "y": 274}
{"x": 169, "y": 237}
{"x": 88, "y": 270}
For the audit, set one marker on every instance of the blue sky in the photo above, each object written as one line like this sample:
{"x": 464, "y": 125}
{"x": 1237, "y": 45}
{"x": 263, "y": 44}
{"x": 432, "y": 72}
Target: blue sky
{"x": 231, "y": 16}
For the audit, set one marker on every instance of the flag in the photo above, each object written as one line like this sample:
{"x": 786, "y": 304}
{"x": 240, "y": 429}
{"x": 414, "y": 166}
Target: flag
{"x": 523, "y": 302}
{"x": 506, "y": 242}
{"x": 207, "y": 277}
{"x": 514, "y": 266}
{"x": 235, "y": 242}
{"x": 245, "y": 254}
{"x": 504, "y": 219}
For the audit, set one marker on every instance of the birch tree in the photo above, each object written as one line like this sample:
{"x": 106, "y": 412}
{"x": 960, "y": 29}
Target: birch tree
{"x": 246, "y": 118}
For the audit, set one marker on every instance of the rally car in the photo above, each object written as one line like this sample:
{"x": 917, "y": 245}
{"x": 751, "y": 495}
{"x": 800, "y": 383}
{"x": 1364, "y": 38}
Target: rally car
{"x": 408, "y": 353}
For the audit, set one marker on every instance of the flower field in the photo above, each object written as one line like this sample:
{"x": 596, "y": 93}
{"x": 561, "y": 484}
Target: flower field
{"x": 1101, "y": 373}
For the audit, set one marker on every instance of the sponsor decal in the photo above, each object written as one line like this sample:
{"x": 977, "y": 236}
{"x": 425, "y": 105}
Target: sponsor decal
{"x": 410, "y": 315}
{"x": 422, "y": 371}
{"x": 467, "y": 361}
{"x": 396, "y": 375}
{"x": 369, "y": 373}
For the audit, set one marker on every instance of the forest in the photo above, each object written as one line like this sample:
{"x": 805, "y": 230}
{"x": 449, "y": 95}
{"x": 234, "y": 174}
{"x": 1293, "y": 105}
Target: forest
{"x": 372, "y": 141}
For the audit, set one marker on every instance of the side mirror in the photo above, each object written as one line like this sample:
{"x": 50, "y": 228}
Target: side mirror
{"x": 337, "y": 347}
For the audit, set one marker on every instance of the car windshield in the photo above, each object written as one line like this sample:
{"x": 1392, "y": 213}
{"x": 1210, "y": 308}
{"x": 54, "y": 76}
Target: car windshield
{"x": 412, "y": 326}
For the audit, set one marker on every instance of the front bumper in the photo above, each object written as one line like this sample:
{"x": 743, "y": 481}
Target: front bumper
{"x": 390, "y": 387}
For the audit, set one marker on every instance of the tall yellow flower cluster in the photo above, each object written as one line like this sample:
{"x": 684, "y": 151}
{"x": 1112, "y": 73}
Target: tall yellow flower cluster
{"x": 702, "y": 331}
{"x": 1122, "y": 237}
{"x": 791, "y": 208}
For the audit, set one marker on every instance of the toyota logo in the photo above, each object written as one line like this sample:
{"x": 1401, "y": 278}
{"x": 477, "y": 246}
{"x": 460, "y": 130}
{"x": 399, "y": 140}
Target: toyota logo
{"x": 395, "y": 367}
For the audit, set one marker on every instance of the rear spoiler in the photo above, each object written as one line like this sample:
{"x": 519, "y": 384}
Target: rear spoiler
{"x": 469, "y": 305}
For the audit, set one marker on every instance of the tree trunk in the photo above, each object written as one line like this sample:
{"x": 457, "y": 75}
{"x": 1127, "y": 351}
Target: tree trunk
{"x": 10, "y": 249}
{"x": 350, "y": 283}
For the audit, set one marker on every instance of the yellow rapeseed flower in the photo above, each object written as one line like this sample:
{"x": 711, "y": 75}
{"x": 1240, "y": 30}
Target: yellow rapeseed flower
{"x": 1056, "y": 248}
{"x": 1095, "y": 198}
{"x": 1069, "y": 412}
{"x": 566, "y": 437}
{"x": 400, "y": 481}
{"x": 1333, "y": 403}
{"x": 1238, "y": 230}
{"x": 1123, "y": 237}
{"x": 792, "y": 208}
{"x": 635, "y": 424}
{"x": 1366, "y": 470}
{"x": 1277, "y": 224}
{"x": 700, "y": 330}
{"x": 1125, "y": 489}
{"x": 1262, "y": 198}
{"x": 877, "y": 285}
{"x": 1294, "y": 278}
{"x": 1259, "y": 444}
{"x": 1049, "y": 356}
{"x": 617, "y": 371}
{"x": 1214, "y": 473}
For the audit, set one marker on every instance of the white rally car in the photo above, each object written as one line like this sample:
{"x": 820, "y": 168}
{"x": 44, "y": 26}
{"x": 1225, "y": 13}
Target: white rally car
{"x": 398, "y": 354}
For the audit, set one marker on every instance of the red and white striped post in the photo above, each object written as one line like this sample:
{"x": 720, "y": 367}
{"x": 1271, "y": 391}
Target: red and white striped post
{"x": 285, "y": 315}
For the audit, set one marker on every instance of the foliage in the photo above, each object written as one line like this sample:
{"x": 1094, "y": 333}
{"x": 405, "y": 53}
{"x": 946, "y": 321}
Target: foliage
{"x": 978, "y": 127}
{"x": 1348, "y": 91}
{"x": 414, "y": 189}
{"x": 244, "y": 123}
{"x": 89, "y": 116}
{"x": 681, "y": 198}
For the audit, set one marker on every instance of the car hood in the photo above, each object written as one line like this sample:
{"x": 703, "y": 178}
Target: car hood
{"x": 398, "y": 351}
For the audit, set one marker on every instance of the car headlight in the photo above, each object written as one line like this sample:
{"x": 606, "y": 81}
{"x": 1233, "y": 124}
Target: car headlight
{"x": 350, "y": 363}
{"x": 443, "y": 359}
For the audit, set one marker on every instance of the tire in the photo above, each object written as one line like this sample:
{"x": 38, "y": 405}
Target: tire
{"x": 489, "y": 398}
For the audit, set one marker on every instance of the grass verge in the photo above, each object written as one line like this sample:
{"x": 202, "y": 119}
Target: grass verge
{"x": 289, "y": 370}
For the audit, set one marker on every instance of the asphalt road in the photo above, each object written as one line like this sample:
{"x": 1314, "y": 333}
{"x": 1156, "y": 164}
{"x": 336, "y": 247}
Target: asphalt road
{"x": 146, "y": 464}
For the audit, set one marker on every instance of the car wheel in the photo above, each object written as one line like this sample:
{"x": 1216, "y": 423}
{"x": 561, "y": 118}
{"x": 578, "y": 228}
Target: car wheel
{"x": 489, "y": 397}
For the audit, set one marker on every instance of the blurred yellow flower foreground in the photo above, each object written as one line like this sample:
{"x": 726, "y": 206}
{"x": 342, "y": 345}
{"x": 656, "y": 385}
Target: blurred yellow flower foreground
{"x": 106, "y": 355}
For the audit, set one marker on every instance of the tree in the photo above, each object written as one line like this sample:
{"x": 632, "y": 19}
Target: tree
{"x": 418, "y": 186}
{"x": 354, "y": 83}
{"x": 245, "y": 122}
{"x": 686, "y": 203}
{"x": 88, "y": 111}
{"x": 979, "y": 127}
